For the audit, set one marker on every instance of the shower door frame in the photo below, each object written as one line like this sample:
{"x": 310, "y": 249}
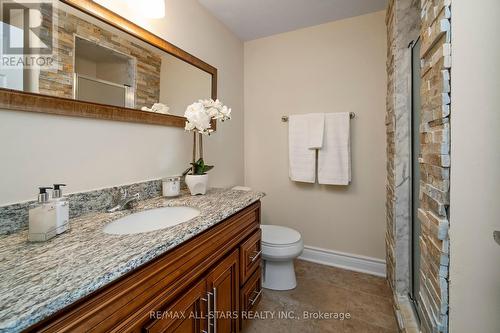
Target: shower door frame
{"x": 412, "y": 285}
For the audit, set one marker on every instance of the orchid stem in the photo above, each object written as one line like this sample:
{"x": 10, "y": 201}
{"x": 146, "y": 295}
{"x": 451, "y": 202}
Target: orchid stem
{"x": 201, "y": 145}
{"x": 194, "y": 152}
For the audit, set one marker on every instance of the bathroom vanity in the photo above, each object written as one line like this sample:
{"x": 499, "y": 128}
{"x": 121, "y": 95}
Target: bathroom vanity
{"x": 180, "y": 290}
{"x": 194, "y": 277}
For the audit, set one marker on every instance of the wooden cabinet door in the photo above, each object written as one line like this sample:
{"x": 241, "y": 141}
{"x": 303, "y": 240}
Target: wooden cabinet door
{"x": 223, "y": 283}
{"x": 186, "y": 315}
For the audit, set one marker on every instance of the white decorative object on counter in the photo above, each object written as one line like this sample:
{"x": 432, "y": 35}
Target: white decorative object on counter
{"x": 171, "y": 186}
{"x": 241, "y": 188}
{"x": 157, "y": 108}
{"x": 199, "y": 116}
{"x": 197, "y": 184}
{"x": 62, "y": 209}
{"x": 42, "y": 218}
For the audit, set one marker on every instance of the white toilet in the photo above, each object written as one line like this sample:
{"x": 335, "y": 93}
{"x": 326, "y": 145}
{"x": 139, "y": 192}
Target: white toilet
{"x": 280, "y": 245}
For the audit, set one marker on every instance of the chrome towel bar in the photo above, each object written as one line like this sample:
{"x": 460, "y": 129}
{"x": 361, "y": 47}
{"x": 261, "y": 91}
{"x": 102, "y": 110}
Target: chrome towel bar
{"x": 284, "y": 119}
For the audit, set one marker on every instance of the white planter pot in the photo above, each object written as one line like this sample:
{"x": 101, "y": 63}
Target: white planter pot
{"x": 197, "y": 184}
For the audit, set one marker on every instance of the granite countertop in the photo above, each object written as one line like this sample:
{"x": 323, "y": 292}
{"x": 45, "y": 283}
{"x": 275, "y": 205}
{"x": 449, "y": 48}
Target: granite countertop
{"x": 38, "y": 279}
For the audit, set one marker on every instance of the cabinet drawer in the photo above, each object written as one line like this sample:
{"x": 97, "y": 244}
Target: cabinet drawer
{"x": 250, "y": 256}
{"x": 250, "y": 295}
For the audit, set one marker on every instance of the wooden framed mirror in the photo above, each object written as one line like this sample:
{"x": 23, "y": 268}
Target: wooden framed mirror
{"x": 81, "y": 59}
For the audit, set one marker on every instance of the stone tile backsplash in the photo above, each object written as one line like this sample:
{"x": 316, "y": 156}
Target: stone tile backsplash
{"x": 14, "y": 218}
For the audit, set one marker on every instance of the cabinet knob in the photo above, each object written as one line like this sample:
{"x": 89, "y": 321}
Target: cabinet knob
{"x": 496, "y": 236}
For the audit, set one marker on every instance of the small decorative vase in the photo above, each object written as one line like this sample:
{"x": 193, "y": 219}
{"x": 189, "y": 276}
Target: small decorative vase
{"x": 197, "y": 184}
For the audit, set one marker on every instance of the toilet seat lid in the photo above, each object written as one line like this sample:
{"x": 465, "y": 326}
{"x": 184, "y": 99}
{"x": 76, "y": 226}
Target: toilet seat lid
{"x": 278, "y": 235}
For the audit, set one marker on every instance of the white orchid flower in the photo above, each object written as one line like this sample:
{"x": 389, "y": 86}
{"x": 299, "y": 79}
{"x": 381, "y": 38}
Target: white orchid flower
{"x": 212, "y": 112}
{"x": 218, "y": 104}
{"x": 200, "y": 114}
{"x": 207, "y": 103}
{"x": 198, "y": 118}
{"x": 226, "y": 112}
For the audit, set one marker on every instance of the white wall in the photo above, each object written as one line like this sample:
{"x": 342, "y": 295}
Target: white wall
{"x": 87, "y": 154}
{"x": 333, "y": 67}
{"x": 181, "y": 84}
{"x": 475, "y": 168}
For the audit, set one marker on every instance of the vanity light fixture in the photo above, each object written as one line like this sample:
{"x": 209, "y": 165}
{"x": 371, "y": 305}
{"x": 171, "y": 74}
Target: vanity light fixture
{"x": 154, "y": 9}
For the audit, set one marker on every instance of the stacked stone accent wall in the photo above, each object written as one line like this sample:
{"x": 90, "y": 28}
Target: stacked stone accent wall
{"x": 59, "y": 81}
{"x": 433, "y": 26}
{"x": 435, "y": 164}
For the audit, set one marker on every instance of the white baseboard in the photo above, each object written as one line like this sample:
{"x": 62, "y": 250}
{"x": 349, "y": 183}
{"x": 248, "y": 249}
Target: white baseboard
{"x": 348, "y": 261}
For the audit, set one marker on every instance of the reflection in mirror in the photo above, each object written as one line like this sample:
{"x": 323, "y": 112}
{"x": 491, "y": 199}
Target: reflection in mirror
{"x": 95, "y": 62}
{"x": 103, "y": 75}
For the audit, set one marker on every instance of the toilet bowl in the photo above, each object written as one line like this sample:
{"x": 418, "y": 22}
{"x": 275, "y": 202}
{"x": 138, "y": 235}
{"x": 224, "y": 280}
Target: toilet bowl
{"x": 280, "y": 246}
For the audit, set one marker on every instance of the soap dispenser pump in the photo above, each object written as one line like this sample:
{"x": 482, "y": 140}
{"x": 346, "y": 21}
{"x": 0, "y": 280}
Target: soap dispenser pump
{"x": 43, "y": 195}
{"x": 62, "y": 209}
{"x": 42, "y": 218}
{"x": 57, "y": 193}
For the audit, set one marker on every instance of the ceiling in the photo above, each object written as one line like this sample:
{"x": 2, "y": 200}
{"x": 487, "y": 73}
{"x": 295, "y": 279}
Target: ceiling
{"x": 251, "y": 19}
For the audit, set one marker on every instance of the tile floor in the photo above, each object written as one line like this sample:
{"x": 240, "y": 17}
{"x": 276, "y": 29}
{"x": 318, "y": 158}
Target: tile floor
{"x": 366, "y": 298}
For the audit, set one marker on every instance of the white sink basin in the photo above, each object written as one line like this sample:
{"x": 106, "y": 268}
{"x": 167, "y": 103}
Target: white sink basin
{"x": 151, "y": 220}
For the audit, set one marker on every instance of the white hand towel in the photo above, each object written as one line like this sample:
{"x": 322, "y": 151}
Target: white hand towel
{"x": 301, "y": 159}
{"x": 334, "y": 158}
{"x": 315, "y": 130}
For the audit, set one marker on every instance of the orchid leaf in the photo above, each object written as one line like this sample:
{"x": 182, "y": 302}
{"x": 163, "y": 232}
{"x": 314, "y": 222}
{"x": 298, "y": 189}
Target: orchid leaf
{"x": 200, "y": 168}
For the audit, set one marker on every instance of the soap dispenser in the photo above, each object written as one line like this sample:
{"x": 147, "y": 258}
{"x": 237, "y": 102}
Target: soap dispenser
{"x": 62, "y": 209}
{"x": 42, "y": 218}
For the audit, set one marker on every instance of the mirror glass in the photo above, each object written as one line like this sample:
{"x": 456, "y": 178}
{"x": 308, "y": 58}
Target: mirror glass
{"x": 53, "y": 49}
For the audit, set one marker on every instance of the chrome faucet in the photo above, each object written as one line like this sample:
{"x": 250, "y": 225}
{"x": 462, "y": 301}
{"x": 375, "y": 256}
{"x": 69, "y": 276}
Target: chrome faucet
{"x": 124, "y": 202}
